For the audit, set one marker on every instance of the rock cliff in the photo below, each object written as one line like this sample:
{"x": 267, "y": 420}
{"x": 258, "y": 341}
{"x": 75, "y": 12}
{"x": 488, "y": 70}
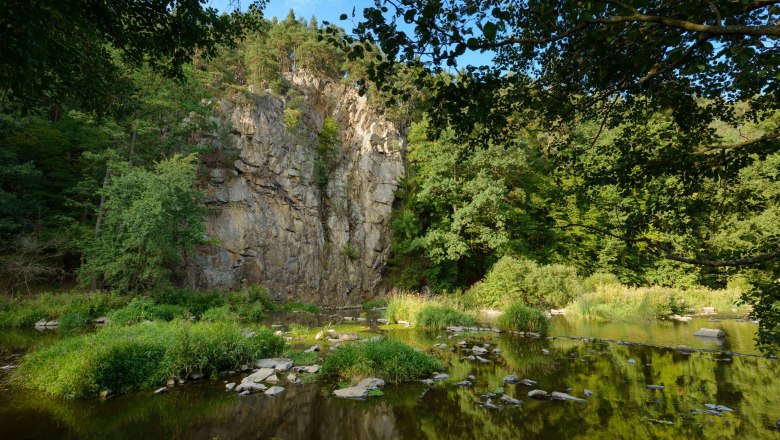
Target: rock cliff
{"x": 274, "y": 221}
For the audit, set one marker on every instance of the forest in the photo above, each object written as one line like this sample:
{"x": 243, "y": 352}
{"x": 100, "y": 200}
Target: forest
{"x": 616, "y": 162}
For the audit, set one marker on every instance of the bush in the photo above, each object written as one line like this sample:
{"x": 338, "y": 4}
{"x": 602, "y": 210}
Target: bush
{"x": 436, "y": 317}
{"x": 598, "y": 280}
{"x": 122, "y": 359}
{"x": 390, "y": 360}
{"x": 512, "y": 280}
{"x": 520, "y": 318}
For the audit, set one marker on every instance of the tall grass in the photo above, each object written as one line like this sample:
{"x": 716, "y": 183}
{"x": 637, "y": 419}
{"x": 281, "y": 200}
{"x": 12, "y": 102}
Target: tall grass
{"x": 438, "y": 317}
{"x": 518, "y": 317}
{"x": 390, "y": 360}
{"x": 617, "y": 302}
{"x": 405, "y": 307}
{"x": 72, "y": 309}
{"x": 122, "y": 359}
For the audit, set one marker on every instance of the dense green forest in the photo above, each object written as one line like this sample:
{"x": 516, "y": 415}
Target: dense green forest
{"x": 671, "y": 178}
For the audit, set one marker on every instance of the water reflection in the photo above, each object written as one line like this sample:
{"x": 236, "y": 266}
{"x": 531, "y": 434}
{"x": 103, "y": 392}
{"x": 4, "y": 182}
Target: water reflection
{"x": 622, "y": 406}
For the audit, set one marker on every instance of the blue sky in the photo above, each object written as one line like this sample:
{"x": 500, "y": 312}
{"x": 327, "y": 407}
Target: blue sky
{"x": 330, "y": 10}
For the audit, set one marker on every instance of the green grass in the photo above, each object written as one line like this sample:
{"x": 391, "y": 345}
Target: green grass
{"x": 390, "y": 360}
{"x": 73, "y": 310}
{"x": 518, "y": 317}
{"x": 122, "y": 359}
{"x": 141, "y": 309}
{"x": 617, "y": 302}
{"x": 300, "y": 358}
{"x": 436, "y": 317}
{"x": 300, "y": 306}
{"x": 375, "y": 303}
{"x": 404, "y": 307}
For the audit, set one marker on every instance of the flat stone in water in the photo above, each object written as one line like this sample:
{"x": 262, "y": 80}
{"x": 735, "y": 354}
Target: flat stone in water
{"x": 371, "y": 383}
{"x": 512, "y": 378}
{"x": 273, "y": 391}
{"x": 538, "y": 394}
{"x": 357, "y": 392}
{"x": 717, "y": 407}
{"x": 441, "y": 376}
{"x": 528, "y": 382}
{"x": 259, "y": 375}
{"x": 313, "y": 368}
{"x": 545, "y": 351}
{"x": 566, "y": 397}
{"x": 655, "y": 387}
{"x": 464, "y": 383}
{"x": 162, "y": 390}
{"x": 312, "y": 349}
{"x": 587, "y": 393}
{"x": 230, "y": 386}
{"x": 710, "y": 333}
{"x": 510, "y": 400}
{"x": 293, "y": 378}
{"x": 250, "y": 387}
{"x": 383, "y": 321}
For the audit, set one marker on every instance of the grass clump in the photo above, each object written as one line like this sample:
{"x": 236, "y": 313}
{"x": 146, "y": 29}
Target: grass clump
{"x": 520, "y": 280}
{"x": 375, "y": 303}
{"x": 518, "y": 317}
{"x": 390, "y": 360}
{"x": 122, "y": 359}
{"x": 436, "y": 317}
{"x": 73, "y": 310}
{"x": 142, "y": 309}
{"x": 404, "y": 307}
{"x": 300, "y": 357}
{"x": 217, "y": 314}
{"x": 618, "y": 302}
{"x": 300, "y": 306}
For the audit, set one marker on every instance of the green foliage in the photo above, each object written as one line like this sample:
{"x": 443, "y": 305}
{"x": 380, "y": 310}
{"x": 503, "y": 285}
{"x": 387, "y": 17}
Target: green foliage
{"x": 292, "y": 119}
{"x": 141, "y": 309}
{"x": 122, "y": 359}
{"x": 375, "y": 303}
{"x": 151, "y": 220}
{"x": 617, "y": 302}
{"x": 513, "y": 279}
{"x": 71, "y": 309}
{"x": 216, "y": 314}
{"x": 404, "y": 307}
{"x": 518, "y": 317}
{"x": 300, "y": 306}
{"x": 435, "y": 317}
{"x": 327, "y": 148}
{"x": 299, "y": 357}
{"x": 390, "y": 360}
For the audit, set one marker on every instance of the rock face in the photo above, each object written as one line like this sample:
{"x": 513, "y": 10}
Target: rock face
{"x": 318, "y": 236}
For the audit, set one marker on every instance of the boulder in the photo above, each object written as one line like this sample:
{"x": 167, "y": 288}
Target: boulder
{"x": 441, "y": 376}
{"x": 462, "y": 344}
{"x": 162, "y": 390}
{"x": 259, "y": 375}
{"x": 272, "y": 378}
{"x": 464, "y": 383}
{"x": 53, "y": 324}
{"x": 528, "y": 382}
{"x": 428, "y": 382}
{"x": 512, "y": 378}
{"x": 357, "y": 392}
{"x": 455, "y": 329}
{"x": 312, "y": 349}
{"x": 170, "y": 383}
{"x": 717, "y": 407}
{"x": 510, "y": 400}
{"x": 313, "y": 368}
{"x": 566, "y": 397}
{"x": 319, "y": 336}
{"x": 273, "y": 391}
{"x": 710, "y": 333}
{"x": 483, "y": 360}
{"x": 332, "y": 333}
{"x": 100, "y": 321}
{"x": 349, "y": 337}
{"x": 371, "y": 383}
{"x": 406, "y": 323}
{"x": 538, "y": 394}
{"x": 708, "y": 310}
{"x": 293, "y": 379}
{"x": 278, "y": 333}
{"x": 250, "y": 387}
{"x": 196, "y": 376}
{"x": 230, "y": 386}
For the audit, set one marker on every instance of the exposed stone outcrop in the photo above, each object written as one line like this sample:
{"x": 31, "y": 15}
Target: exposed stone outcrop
{"x": 271, "y": 221}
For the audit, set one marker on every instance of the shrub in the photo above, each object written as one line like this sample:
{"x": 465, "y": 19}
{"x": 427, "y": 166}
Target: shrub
{"x": 436, "y": 317}
{"x": 598, "y": 280}
{"x": 142, "y": 308}
{"x": 520, "y": 318}
{"x": 122, "y": 359}
{"x": 390, "y": 360}
{"x": 512, "y": 280}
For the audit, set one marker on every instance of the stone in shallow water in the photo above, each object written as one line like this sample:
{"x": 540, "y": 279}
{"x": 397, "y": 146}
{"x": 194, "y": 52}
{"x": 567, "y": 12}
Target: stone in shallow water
{"x": 272, "y": 378}
{"x": 464, "y": 383}
{"x": 566, "y": 397}
{"x": 162, "y": 390}
{"x": 313, "y": 368}
{"x": 312, "y": 349}
{"x": 717, "y": 407}
{"x": 383, "y": 321}
{"x": 250, "y": 387}
{"x": 349, "y": 337}
{"x": 357, "y": 392}
{"x": 230, "y": 386}
{"x": 371, "y": 383}
{"x": 710, "y": 333}
{"x": 510, "y": 400}
{"x": 428, "y": 382}
{"x": 293, "y": 378}
{"x": 655, "y": 387}
{"x": 528, "y": 382}
{"x": 319, "y": 336}
{"x": 273, "y": 391}
{"x": 588, "y": 393}
{"x": 545, "y": 351}
{"x": 259, "y": 375}
{"x": 512, "y": 378}
{"x": 631, "y": 361}
{"x": 441, "y": 376}
{"x": 478, "y": 350}
{"x": 538, "y": 394}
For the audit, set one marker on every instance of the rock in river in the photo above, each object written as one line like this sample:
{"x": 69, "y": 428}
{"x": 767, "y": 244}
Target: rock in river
{"x": 313, "y": 348}
{"x": 441, "y": 376}
{"x": 566, "y": 397}
{"x": 357, "y": 392}
{"x": 371, "y": 383}
{"x": 510, "y": 400}
{"x": 512, "y": 378}
{"x": 655, "y": 387}
{"x": 528, "y": 383}
{"x": 275, "y": 363}
{"x": 250, "y": 387}
{"x": 587, "y": 393}
{"x": 464, "y": 383}
{"x": 273, "y": 391}
{"x": 710, "y": 333}
{"x": 259, "y": 375}
{"x": 538, "y": 394}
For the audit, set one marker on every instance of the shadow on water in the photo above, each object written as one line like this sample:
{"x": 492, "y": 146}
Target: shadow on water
{"x": 622, "y": 406}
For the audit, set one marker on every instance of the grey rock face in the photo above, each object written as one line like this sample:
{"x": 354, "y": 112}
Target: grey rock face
{"x": 277, "y": 223}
